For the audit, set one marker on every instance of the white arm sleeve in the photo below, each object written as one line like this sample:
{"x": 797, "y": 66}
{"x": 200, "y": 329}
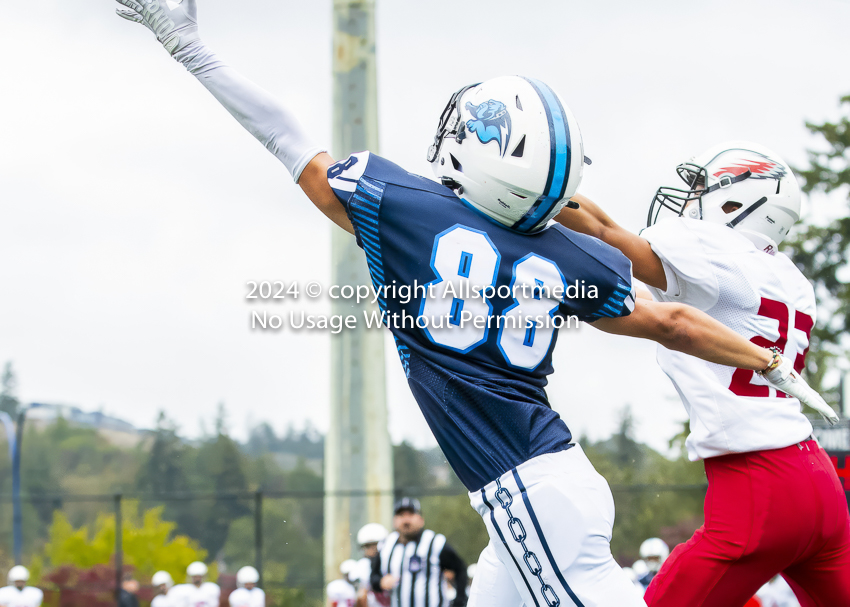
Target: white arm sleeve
{"x": 254, "y": 108}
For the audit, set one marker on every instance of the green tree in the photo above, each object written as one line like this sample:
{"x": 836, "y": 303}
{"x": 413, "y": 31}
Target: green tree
{"x": 821, "y": 252}
{"x": 149, "y": 543}
{"x": 164, "y": 472}
{"x": 8, "y": 387}
{"x": 410, "y": 468}
{"x": 221, "y": 461}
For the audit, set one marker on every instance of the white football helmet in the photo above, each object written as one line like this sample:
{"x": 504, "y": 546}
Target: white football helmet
{"x": 654, "y": 552}
{"x": 371, "y": 533}
{"x": 640, "y": 568}
{"x": 18, "y": 573}
{"x": 755, "y": 185}
{"x": 247, "y": 575}
{"x": 196, "y": 568}
{"x": 161, "y": 578}
{"x": 347, "y": 566}
{"x": 511, "y": 149}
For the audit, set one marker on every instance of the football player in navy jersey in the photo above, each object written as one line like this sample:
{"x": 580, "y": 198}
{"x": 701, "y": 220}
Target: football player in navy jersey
{"x": 491, "y": 284}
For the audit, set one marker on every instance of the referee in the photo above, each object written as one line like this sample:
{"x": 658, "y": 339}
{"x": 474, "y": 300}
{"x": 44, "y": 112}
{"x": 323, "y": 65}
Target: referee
{"x": 412, "y": 562}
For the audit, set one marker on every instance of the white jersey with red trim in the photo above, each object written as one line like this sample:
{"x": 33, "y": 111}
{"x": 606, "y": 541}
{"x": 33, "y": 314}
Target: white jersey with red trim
{"x": 242, "y": 597}
{"x": 762, "y": 297}
{"x": 341, "y": 594}
{"x": 29, "y": 596}
{"x": 189, "y": 595}
{"x": 164, "y": 600}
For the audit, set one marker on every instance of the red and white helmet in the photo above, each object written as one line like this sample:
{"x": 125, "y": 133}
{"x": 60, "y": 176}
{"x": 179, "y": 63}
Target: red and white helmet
{"x": 511, "y": 149}
{"x": 739, "y": 184}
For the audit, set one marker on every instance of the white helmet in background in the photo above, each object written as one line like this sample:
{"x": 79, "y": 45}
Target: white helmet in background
{"x": 161, "y": 578}
{"x": 511, "y": 149}
{"x": 196, "y": 569}
{"x": 640, "y": 568}
{"x": 18, "y": 573}
{"x": 347, "y": 566}
{"x": 654, "y": 552}
{"x": 757, "y": 188}
{"x": 247, "y": 575}
{"x": 371, "y": 533}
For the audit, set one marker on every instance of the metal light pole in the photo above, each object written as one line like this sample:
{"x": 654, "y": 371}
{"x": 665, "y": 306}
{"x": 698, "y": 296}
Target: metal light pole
{"x": 358, "y": 454}
{"x": 14, "y": 436}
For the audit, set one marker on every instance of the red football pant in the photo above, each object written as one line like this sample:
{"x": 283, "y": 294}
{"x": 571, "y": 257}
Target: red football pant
{"x": 767, "y": 512}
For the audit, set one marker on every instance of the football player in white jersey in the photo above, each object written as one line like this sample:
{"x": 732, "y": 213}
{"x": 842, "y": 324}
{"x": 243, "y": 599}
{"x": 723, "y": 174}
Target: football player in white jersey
{"x": 17, "y": 593}
{"x": 774, "y": 503}
{"x": 653, "y": 551}
{"x": 369, "y": 537}
{"x": 163, "y": 583}
{"x": 196, "y": 592}
{"x": 341, "y": 592}
{"x": 247, "y": 594}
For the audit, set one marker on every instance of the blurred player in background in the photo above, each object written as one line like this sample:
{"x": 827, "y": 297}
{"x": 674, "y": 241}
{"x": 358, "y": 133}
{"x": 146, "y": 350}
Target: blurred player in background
{"x": 129, "y": 589}
{"x": 370, "y": 537}
{"x": 247, "y": 594}
{"x": 163, "y": 583}
{"x": 653, "y": 551}
{"x": 196, "y": 592}
{"x": 341, "y": 592}
{"x": 639, "y": 570}
{"x": 17, "y": 593}
{"x": 508, "y": 154}
{"x": 774, "y": 502}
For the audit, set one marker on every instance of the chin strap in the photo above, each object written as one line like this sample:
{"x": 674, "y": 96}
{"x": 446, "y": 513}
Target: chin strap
{"x": 725, "y": 182}
{"x": 746, "y": 213}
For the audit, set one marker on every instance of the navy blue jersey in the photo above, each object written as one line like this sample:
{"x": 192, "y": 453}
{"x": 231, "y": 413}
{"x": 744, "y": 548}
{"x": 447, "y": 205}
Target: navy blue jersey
{"x": 475, "y": 308}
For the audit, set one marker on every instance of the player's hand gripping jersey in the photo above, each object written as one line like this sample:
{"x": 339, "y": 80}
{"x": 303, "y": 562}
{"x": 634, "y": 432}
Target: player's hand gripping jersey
{"x": 764, "y": 298}
{"x": 476, "y": 366}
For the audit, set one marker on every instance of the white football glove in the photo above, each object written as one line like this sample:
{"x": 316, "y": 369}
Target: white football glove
{"x": 173, "y": 22}
{"x": 786, "y": 379}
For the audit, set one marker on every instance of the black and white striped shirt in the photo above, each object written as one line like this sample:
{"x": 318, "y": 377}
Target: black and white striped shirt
{"x": 419, "y": 566}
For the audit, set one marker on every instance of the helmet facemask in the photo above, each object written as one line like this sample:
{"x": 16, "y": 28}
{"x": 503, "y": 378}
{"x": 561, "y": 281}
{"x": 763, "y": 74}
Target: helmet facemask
{"x": 675, "y": 200}
{"x": 737, "y": 184}
{"x": 451, "y": 125}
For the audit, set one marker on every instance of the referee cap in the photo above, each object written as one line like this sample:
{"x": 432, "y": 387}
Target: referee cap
{"x": 408, "y": 503}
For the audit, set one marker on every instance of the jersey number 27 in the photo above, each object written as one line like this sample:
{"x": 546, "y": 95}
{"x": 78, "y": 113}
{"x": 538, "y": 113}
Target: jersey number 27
{"x": 742, "y": 378}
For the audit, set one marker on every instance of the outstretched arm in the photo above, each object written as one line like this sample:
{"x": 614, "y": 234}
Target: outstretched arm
{"x": 591, "y": 220}
{"x": 685, "y": 329}
{"x": 174, "y": 22}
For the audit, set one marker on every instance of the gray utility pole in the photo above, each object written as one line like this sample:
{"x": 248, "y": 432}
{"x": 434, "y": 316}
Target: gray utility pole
{"x": 358, "y": 454}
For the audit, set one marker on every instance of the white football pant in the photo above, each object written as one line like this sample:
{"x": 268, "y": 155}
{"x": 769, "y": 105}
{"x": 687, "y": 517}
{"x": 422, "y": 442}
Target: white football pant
{"x": 550, "y": 522}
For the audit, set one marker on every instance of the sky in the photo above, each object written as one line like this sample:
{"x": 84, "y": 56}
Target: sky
{"x": 134, "y": 210}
